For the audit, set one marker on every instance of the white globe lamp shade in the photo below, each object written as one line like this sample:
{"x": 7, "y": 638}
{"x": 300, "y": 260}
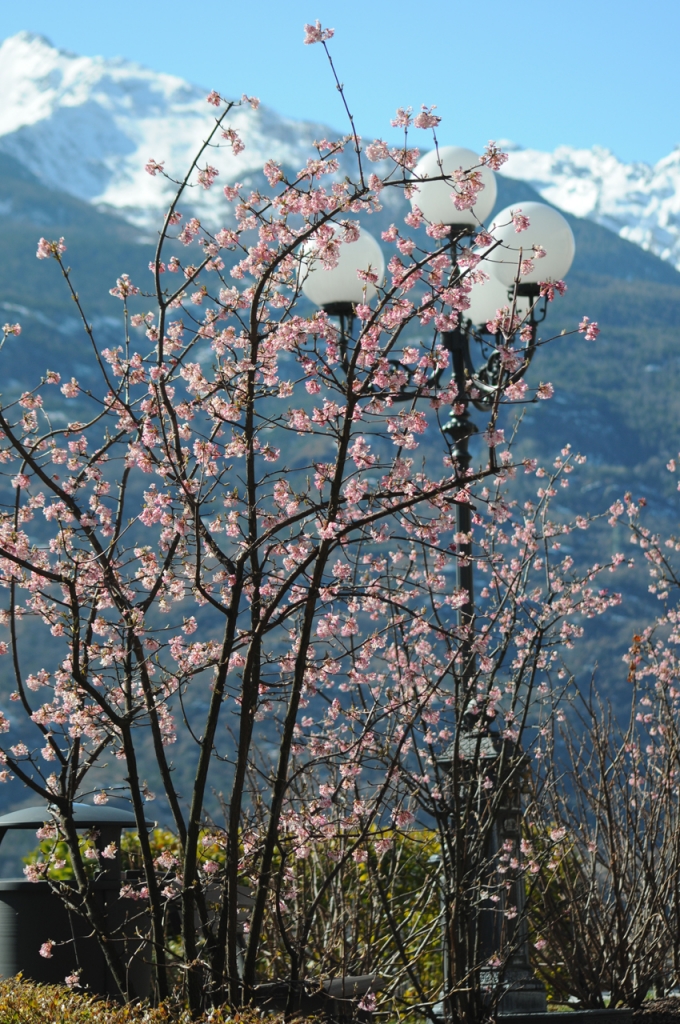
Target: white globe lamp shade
{"x": 339, "y": 287}
{"x": 486, "y": 298}
{"x": 435, "y": 199}
{"x": 548, "y": 229}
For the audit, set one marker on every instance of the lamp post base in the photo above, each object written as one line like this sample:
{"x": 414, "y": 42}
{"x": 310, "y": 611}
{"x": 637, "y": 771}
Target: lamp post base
{"x": 520, "y": 993}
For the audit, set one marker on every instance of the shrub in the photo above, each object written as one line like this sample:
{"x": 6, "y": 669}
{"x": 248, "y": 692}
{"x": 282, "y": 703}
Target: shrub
{"x": 23, "y": 1002}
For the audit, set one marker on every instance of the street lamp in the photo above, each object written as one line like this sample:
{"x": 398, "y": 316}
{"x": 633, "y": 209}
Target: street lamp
{"x": 547, "y": 229}
{"x": 510, "y": 278}
{"x": 435, "y": 196}
{"x": 517, "y": 263}
{"x": 338, "y": 289}
{"x": 548, "y": 244}
{"x": 487, "y": 297}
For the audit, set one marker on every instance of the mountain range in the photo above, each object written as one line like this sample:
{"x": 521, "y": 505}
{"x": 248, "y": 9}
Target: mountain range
{"x": 75, "y": 133}
{"x": 88, "y": 125}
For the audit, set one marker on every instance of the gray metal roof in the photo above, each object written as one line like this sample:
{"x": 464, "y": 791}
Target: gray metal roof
{"x": 84, "y": 816}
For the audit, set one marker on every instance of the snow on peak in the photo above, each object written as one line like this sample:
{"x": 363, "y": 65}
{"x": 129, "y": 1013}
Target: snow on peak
{"x": 88, "y": 126}
{"x": 637, "y": 201}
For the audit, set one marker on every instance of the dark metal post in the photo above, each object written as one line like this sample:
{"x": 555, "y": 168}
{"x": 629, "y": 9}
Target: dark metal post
{"x": 460, "y": 428}
{"x": 345, "y": 313}
{"x": 480, "y": 746}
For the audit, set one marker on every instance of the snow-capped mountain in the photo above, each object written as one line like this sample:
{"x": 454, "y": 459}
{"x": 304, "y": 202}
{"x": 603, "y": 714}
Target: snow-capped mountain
{"x": 637, "y": 201}
{"x": 88, "y": 126}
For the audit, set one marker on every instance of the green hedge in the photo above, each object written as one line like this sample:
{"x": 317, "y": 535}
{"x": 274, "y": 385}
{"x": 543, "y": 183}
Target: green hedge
{"x": 24, "y": 1002}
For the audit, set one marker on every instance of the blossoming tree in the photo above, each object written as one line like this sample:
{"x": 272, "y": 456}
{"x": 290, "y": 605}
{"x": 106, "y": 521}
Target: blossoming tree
{"x": 240, "y": 516}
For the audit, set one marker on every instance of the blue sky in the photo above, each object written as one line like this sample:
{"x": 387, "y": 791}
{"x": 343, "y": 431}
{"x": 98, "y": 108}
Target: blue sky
{"x": 580, "y": 72}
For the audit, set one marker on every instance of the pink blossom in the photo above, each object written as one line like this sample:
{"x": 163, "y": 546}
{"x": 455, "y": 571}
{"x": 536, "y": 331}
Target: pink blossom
{"x": 300, "y": 421}
{"x": 591, "y": 330}
{"x": 468, "y": 258}
{"x": 47, "y": 249}
{"x": 206, "y": 177}
{"x": 545, "y": 391}
{"x": 369, "y": 276}
{"x": 516, "y": 391}
{"x": 360, "y": 452}
{"x": 493, "y": 157}
{"x": 316, "y": 34}
{"x": 369, "y": 1002}
{"x": 521, "y": 222}
{"x": 426, "y": 119}
{"x": 328, "y": 626}
{"x": 153, "y": 168}
{"x": 71, "y": 389}
{"x": 46, "y": 832}
{"x": 483, "y": 239}
{"x": 72, "y": 980}
{"x": 438, "y": 230}
{"x": 110, "y": 852}
{"x": 548, "y": 289}
{"x": 493, "y": 437}
{"x": 403, "y": 118}
{"x": 377, "y": 150}
{"x": 189, "y": 231}
{"x": 46, "y": 949}
{"x": 100, "y": 798}
{"x": 407, "y": 158}
{"x": 459, "y": 597}
{"x": 272, "y": 172}
{"x": 214, "y": 98}
{"x": 124, "y": 288}
{"x": 235, "y": 141}
{"x": 506, "y": 323}
{"x": 11, "y": 329}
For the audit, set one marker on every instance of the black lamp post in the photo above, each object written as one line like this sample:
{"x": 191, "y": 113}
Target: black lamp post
{"x": 543, "y": 251}
{"x": 548, "y": 245}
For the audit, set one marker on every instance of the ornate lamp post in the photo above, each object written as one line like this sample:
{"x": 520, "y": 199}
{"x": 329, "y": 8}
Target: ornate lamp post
{"x": 337, "y": 291}
{"x": 482, "y": 750}
{"x": 549, "y": 230}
